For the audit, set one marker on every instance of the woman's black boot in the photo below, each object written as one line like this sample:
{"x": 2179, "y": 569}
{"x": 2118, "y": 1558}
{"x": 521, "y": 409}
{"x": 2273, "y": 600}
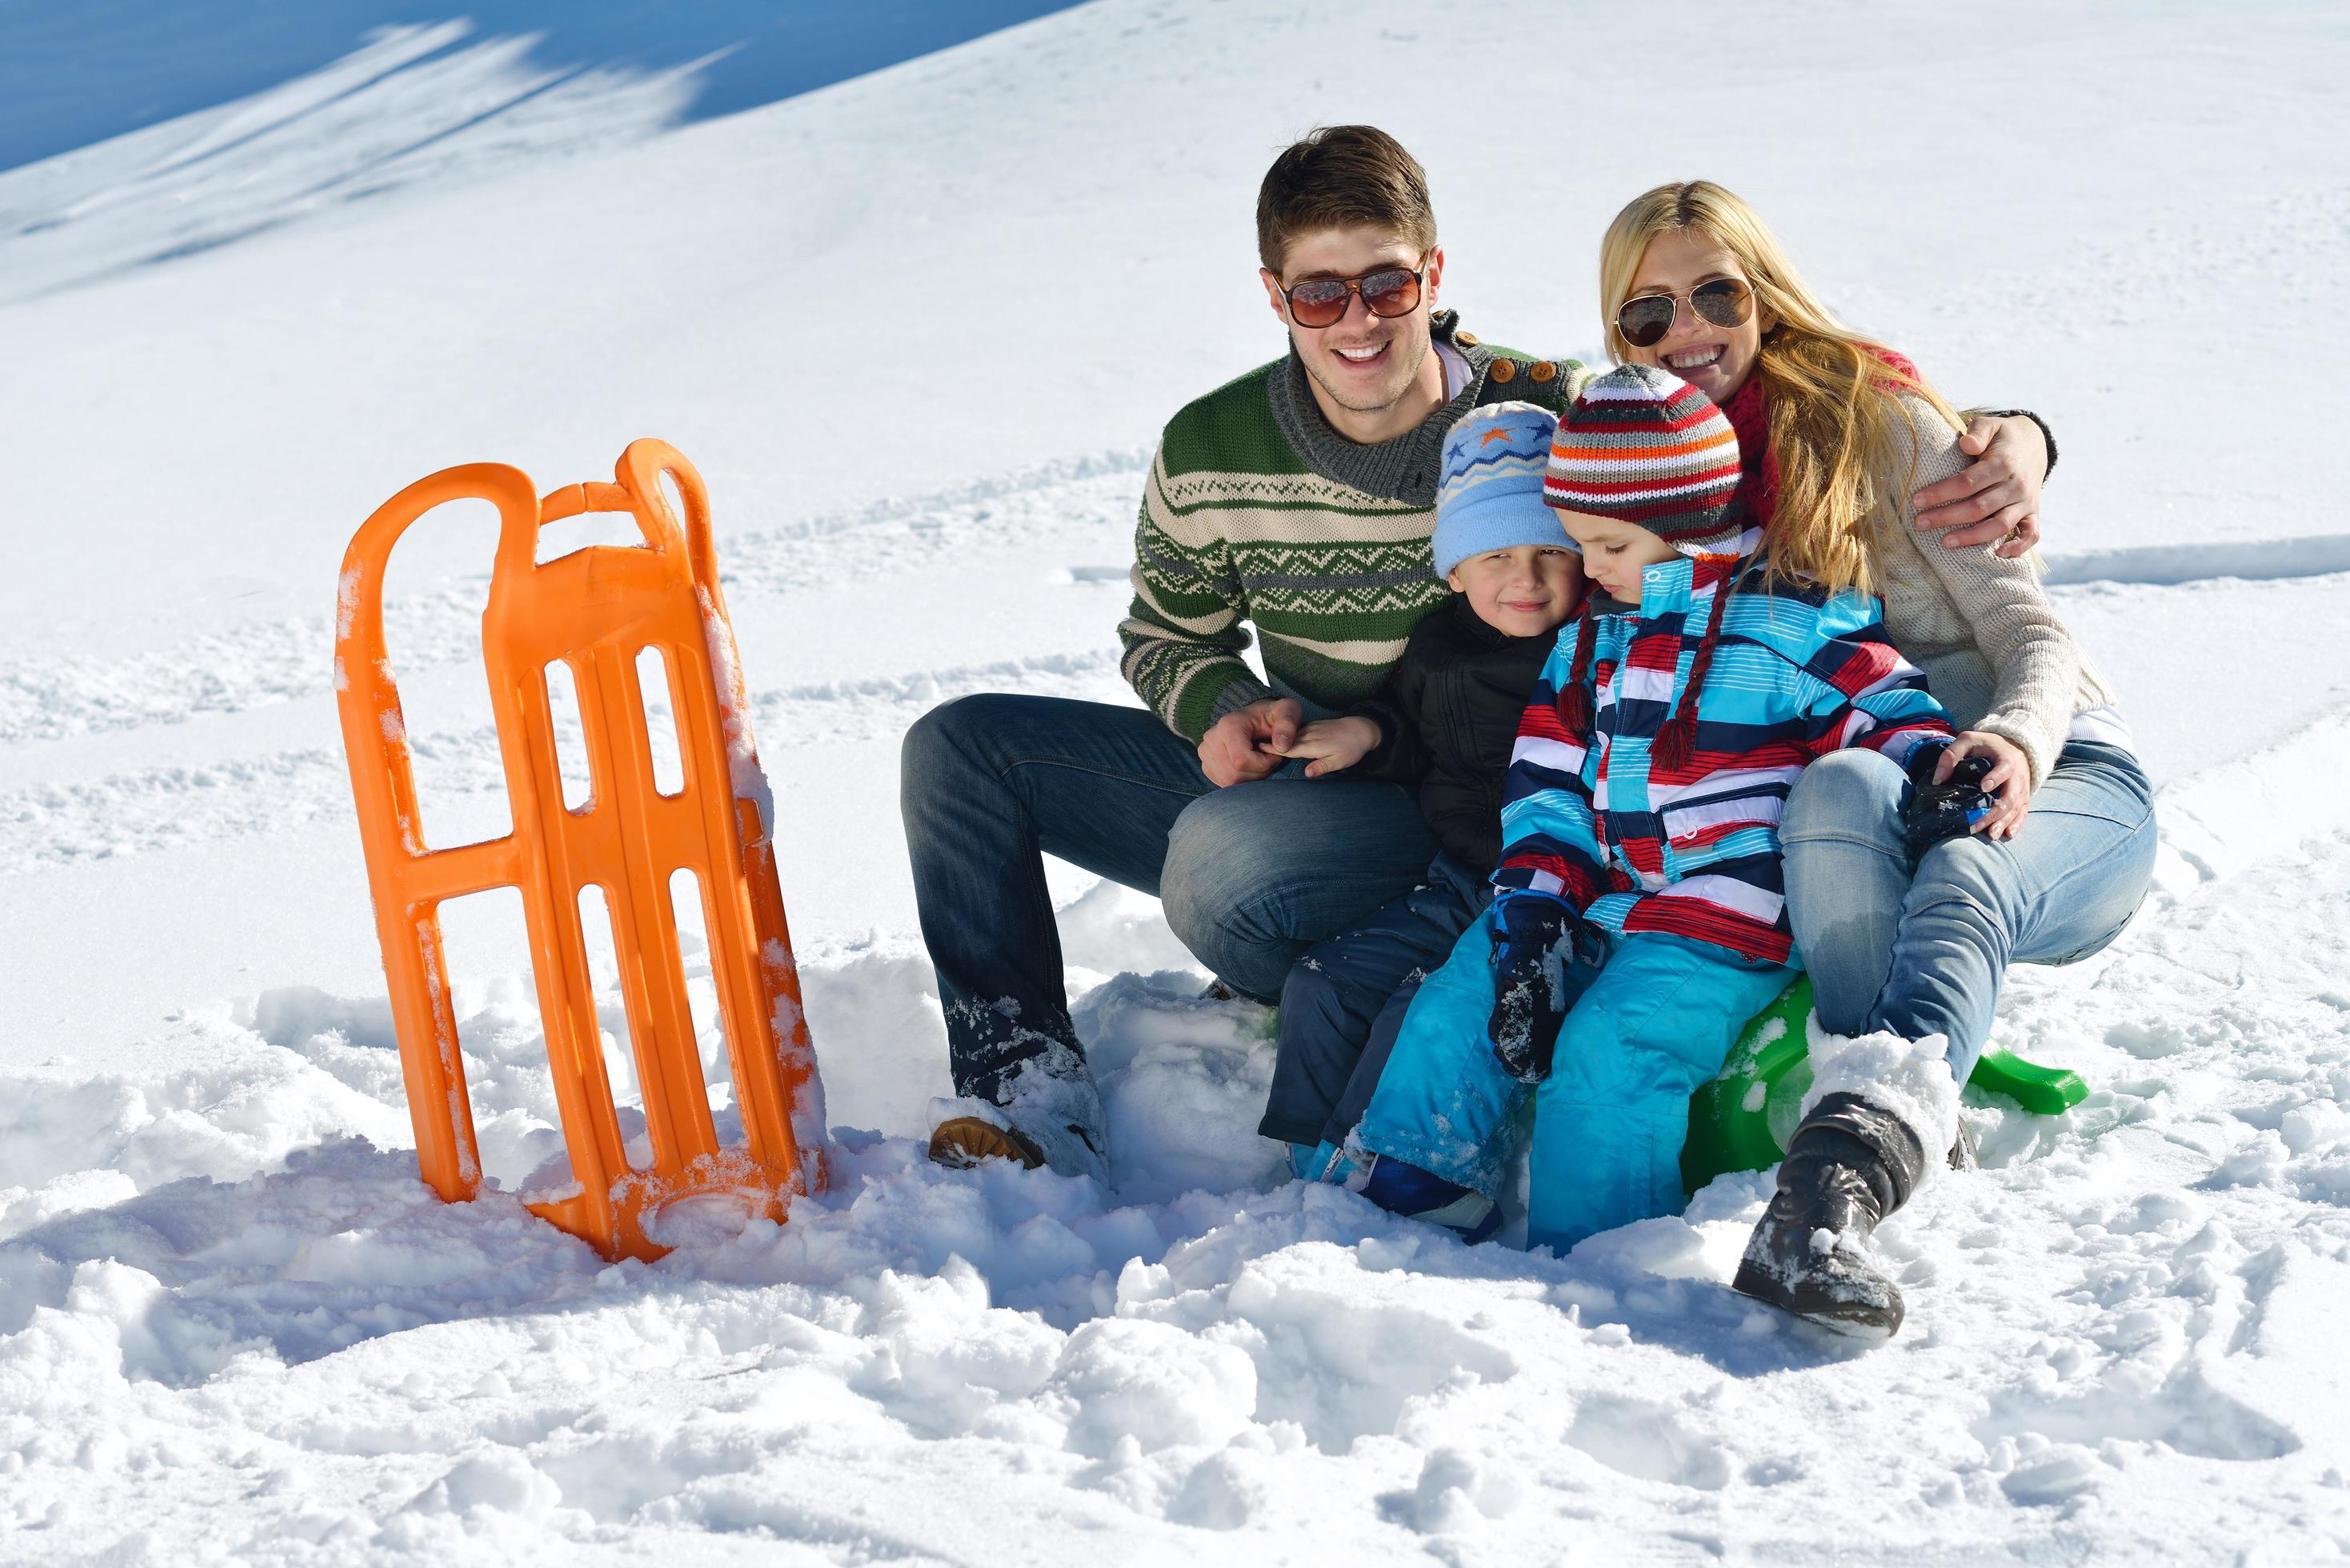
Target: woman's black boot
{"x": 1849, "y": 1165}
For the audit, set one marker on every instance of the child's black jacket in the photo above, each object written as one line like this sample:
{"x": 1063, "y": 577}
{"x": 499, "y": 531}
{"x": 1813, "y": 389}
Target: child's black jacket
{"x": 1448, "y": 716}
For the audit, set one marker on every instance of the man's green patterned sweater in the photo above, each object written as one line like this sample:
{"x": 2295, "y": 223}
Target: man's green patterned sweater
{"x": 1256, "y": 510}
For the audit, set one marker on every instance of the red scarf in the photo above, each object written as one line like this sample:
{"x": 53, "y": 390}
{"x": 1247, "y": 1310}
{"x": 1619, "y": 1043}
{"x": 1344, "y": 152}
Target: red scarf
{"x": 1749, "y": 413}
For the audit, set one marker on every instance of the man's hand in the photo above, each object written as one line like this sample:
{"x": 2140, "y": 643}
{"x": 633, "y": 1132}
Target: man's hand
{"x": 1996, "y": 500}
{"x": 1334, "y": 744}
{"x": 1250, "y": 743}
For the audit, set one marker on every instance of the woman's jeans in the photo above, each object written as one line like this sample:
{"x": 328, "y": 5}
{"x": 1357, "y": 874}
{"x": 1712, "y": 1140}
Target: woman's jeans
{"x": 1924, "y": 952}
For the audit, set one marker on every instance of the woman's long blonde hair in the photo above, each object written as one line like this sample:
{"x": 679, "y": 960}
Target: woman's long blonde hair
{"x": 1846, "y": 452}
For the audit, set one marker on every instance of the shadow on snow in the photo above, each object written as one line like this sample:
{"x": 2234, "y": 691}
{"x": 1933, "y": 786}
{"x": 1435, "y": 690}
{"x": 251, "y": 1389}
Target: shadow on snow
{"x": 71, "y": 76}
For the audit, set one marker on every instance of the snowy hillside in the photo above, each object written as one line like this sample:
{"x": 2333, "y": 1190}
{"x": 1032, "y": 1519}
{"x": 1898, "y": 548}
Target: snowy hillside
{"x": 919, "y": 328}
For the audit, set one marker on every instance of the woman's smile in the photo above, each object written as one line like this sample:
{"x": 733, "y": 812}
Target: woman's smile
{"x": 1714, "y": 359}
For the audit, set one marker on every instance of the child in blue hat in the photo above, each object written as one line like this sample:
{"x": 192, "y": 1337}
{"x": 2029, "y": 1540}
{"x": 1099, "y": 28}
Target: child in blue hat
{"x": 1444, "y": 723}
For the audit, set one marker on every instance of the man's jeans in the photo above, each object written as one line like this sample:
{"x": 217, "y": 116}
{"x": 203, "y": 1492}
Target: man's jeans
{"x": 1926, "y": 953}
{"x": 1250, "y": 875}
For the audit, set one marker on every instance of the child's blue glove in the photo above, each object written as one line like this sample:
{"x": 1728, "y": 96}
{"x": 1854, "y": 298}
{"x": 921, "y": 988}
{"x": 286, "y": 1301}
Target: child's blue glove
{"x": 1544, "y": 957}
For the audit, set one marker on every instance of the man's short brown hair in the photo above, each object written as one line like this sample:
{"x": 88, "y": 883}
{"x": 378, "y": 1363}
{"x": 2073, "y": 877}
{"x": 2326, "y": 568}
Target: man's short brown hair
{"x": 1342, "y": 177}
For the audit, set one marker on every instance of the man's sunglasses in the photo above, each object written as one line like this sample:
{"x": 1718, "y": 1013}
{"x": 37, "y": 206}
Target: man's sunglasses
{"x": 1386, "y": 291}
{"x": 1724, "y": 301}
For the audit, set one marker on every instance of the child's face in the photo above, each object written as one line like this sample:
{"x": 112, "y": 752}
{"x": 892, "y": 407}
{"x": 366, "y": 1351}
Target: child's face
{"x": 1614, "y": 553}
{"x": 1523, "y": 591}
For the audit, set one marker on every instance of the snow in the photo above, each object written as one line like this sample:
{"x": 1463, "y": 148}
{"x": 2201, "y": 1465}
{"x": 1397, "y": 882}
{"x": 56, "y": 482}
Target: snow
{"x": 918, "y": 329}
{"x": 1908, "y": 1078}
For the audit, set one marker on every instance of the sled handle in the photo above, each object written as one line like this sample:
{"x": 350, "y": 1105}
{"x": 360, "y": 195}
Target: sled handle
{"x": 639, "y": 471}
{"x": 637, "y": 492}
{"x": 408, "y": 880}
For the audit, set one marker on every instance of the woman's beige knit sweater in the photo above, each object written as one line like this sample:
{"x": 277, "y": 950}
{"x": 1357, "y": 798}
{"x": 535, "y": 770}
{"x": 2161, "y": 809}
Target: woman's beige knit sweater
{"x": 1980, "y": 626}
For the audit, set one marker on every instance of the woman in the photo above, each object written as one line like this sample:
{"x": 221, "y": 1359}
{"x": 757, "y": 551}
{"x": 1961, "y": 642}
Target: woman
{"x": 1839, "y": 433}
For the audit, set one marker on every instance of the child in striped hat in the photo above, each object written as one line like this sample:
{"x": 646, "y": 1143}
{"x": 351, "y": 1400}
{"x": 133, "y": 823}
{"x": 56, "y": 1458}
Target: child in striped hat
{"x": 1638, "y": 920}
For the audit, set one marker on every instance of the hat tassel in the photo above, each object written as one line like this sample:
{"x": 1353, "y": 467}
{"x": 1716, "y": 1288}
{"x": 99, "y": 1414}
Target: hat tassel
{"x": 1675, "y": 741}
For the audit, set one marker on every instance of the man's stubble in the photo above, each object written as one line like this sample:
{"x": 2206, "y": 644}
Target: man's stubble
{"x": 1403, "y": 387}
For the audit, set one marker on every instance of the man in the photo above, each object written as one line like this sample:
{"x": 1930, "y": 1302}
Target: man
{"x": 1299, "y": 498}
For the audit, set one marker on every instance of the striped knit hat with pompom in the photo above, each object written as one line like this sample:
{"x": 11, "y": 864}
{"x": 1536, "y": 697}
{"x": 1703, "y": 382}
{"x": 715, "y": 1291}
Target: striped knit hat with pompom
{"x": 1643, "y": 446}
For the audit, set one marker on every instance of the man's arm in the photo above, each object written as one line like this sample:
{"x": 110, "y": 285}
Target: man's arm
{"x": 1182, "y": 634}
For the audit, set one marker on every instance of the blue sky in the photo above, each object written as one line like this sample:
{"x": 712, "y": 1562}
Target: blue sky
{"x": 72, "y": 74}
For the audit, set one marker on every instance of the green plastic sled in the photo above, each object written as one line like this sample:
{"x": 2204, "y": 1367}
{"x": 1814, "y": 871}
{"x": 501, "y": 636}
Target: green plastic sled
{"x": 1742, "y": 1119}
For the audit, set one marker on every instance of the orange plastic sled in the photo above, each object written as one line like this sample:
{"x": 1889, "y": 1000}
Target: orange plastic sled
{"x": 595, "y": 610}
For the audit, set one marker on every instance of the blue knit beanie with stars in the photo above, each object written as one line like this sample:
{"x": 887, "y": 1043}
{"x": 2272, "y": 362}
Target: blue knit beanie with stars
{"x": 1489, "y": 493}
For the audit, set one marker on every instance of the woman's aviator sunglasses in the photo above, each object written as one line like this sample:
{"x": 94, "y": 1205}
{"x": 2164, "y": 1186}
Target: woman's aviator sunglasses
{"x": 1724, "y": 301}
{"x": 1386, "y": 291}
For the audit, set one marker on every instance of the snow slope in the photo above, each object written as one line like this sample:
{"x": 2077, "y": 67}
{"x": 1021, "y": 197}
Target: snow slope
{"x": 918, "y": 329}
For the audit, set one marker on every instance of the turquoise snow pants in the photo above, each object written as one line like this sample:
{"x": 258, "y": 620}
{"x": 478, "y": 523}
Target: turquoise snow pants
{"x": 1610, "y": 1119}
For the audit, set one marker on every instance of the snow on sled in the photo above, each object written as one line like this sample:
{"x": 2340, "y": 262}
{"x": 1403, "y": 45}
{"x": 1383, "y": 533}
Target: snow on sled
{"x": 1742, "y": 1119}
{"x": 594, "y": 610}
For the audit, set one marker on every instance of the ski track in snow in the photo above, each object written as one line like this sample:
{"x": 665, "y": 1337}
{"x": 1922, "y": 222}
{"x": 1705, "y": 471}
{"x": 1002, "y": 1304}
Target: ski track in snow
{"x": 264, "y": 662}
{"x": 2163, "y": 566}
{"x": 182, "y": 807}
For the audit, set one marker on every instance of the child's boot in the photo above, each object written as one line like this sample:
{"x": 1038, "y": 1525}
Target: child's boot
{"x": 1848, "y": 1166}
{"x": 1879, "y": 1104}
{"x": 1401, "y": 1188}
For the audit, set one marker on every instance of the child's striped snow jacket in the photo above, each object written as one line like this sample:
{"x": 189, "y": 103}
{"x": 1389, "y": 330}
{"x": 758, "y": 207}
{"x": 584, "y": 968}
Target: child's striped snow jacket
{"x": 1797, "y": 673}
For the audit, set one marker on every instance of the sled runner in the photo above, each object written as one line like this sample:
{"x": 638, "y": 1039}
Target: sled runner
{"x": 1742, "y": 1119}
{"x": 596, "y": 610}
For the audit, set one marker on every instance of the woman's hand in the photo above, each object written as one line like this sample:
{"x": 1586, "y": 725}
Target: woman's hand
{"x": 1996, "y": 500}
{"x": 2010, "y": 779}
{"x": 1334, "y": 744}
